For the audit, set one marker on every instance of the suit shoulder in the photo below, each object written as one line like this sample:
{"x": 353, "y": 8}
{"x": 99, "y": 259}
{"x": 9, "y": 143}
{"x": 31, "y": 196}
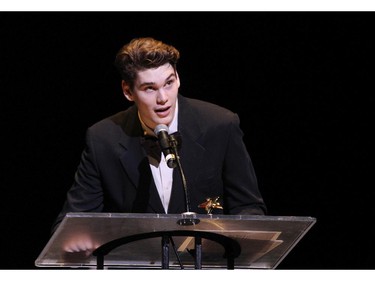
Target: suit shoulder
{"x": 208, "y": 111}
{"x": 113, "y": 119}
{"x": 113, "y": 122}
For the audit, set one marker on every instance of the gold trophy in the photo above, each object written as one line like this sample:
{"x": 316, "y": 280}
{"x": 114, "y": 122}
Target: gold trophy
{"x": 210, "y": 204}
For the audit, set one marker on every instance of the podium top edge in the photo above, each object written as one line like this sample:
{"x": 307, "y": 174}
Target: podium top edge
{"x": 199, "y": 216}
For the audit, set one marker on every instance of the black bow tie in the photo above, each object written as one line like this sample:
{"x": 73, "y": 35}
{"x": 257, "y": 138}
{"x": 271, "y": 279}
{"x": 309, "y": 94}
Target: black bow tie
{"x": 152, "y": 147}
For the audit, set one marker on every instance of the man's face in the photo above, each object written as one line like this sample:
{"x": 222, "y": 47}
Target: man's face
{"x": 155, "y": 92}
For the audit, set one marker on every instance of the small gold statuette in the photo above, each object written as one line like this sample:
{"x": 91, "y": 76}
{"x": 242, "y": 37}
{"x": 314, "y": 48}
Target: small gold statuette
{"x": 210, "y": 204}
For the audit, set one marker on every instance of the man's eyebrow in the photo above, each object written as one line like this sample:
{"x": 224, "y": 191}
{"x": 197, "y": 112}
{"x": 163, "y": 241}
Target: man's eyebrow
{"x": 170, "y": 76}
{"x": 147, "y": 84}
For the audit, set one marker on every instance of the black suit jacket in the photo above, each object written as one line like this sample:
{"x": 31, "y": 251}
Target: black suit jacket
{"x": 114, "y": 173}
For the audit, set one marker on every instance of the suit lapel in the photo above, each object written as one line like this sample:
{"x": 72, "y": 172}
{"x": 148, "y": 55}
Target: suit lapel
{"x": 191, "y": 153}
{"x": 135, "y": 163}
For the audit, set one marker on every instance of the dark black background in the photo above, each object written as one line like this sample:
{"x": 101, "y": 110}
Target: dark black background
{"x": 302, "y": 83}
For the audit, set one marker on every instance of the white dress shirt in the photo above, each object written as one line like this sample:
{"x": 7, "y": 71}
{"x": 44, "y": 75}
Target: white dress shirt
{"x": 162, "y": 174}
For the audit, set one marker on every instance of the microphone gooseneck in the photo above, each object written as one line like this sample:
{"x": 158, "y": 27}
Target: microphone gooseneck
{"x": 188, "y": 217}
{"x": 184, "y": 183}
{"x": 168, "y": 144}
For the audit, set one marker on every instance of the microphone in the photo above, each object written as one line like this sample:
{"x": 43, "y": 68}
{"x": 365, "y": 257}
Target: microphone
{"x": 162, "y": 132}
{"x": 168, "y": 145}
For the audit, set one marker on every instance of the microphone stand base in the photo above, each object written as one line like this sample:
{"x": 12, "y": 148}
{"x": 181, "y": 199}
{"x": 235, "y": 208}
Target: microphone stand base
{"x": 188, "y": 218}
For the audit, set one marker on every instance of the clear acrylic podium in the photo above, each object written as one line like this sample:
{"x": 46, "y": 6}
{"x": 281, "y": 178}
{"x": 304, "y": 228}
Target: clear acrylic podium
{"x": 264, "y": 241}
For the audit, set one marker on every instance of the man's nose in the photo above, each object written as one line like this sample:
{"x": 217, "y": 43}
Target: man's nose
{"x": 162, "y": 96}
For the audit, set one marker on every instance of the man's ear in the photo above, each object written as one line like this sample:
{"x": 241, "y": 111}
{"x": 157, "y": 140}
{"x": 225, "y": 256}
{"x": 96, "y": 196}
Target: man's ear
{"x": 126, "y": 90}
{"x": 178, "y": 79}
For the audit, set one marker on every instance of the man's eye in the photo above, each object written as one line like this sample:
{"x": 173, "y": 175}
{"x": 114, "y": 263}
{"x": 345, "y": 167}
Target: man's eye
{"x": 149, "y": 89}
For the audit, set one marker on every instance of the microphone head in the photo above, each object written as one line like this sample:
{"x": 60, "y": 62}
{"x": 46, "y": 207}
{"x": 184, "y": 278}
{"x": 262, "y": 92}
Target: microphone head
{"x": 161, "y": 127}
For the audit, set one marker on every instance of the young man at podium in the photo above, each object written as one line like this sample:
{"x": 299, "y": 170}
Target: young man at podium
{"x": 166, "y": 153}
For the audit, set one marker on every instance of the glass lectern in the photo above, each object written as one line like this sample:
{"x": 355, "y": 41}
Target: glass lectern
{"x": 263, "y": 241}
